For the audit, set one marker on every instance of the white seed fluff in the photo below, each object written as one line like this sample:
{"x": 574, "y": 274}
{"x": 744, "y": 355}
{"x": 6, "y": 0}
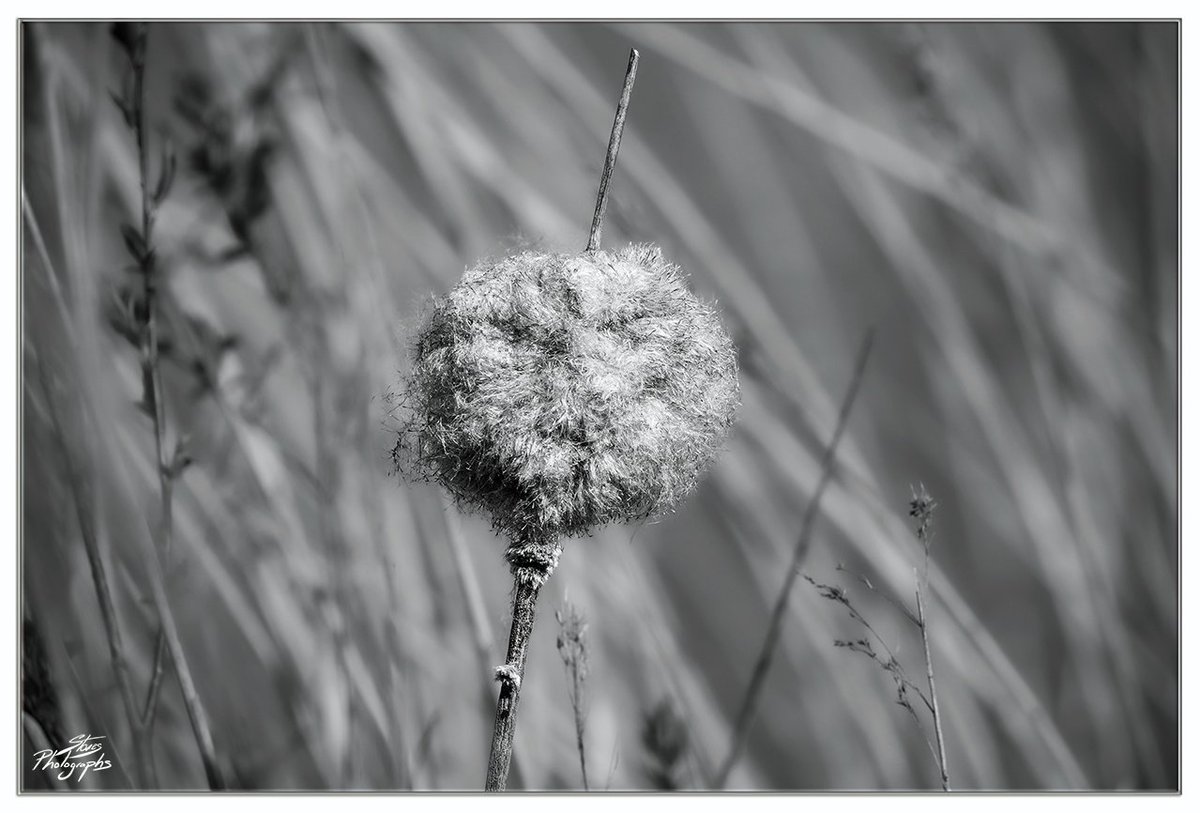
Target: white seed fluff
{"x": 558, "y": 393}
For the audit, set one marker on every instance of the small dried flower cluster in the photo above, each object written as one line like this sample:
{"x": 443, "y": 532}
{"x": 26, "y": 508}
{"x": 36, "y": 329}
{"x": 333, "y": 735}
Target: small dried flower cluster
{"x": 921, "y": 505}
{"x": 558, "y": 393}
{"x": 572, "y": 640}
{"x": 921, "y": 508}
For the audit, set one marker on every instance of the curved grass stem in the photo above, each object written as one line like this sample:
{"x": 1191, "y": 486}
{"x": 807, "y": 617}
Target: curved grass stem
{"x": 933, "y": 698}
{"x": 762, "y": 665}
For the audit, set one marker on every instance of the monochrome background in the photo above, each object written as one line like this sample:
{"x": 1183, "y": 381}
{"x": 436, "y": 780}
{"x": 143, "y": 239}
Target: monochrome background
{"x": 997, "y": 200}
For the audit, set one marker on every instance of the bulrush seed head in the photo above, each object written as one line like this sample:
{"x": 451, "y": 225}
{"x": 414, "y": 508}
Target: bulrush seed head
{"x": 558, "y": 392}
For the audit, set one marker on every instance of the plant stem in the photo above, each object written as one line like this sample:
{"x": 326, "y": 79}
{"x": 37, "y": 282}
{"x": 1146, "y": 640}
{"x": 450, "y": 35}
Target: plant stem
{"x": 577, "y": 707}
{"x": 187, "y": 687}
{"x": 614, "y": 144}
{"x": 922, "y": 508}
{"x": 104, "y": 595}
{"x": 933, "y": 698}
{"x": 167, "y": 641}
{"x": 510, "y": 676}
{"x": 532, "y": 562}
{"x": 151, "y": 379}
{"x": 765, "y": 656}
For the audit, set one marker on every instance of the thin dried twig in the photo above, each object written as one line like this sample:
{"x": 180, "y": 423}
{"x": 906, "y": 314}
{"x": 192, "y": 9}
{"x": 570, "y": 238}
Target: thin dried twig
{"x": 922, "y": 507}
{"x": 104, "y": 594}
{"x": 900, "y": 606}
{"x": 133, "y": 38}
{"x": 890, "y": 665}
{"x": 933, "y": 698}
{"x": 765, "y": 656}
{"x": 610, "y": 159}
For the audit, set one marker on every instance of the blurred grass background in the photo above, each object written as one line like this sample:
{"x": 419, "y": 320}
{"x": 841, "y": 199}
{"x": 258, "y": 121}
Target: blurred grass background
{"x": 998, "y": 200}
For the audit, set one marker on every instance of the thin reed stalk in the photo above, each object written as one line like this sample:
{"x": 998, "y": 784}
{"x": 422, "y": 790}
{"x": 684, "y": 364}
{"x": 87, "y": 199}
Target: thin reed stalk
{"x": 762, "y": 664}
{"x": 922, "y": 507}
{"x": 133, "y": 39}
{"x": 933, "y": 698}
{"x": 610, "y": 157}
{"x": 117, "y": 652}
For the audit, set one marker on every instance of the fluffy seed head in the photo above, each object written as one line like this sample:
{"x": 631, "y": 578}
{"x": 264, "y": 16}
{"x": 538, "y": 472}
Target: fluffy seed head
{"x": 558, "y": 393}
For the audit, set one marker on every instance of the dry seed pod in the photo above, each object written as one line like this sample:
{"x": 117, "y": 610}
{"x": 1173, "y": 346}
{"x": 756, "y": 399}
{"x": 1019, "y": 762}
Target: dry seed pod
{"x": 558, "y": 393}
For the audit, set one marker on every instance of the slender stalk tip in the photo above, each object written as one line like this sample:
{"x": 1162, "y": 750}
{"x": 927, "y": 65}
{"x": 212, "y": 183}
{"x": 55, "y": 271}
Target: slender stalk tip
{"x": 614, "y": 144}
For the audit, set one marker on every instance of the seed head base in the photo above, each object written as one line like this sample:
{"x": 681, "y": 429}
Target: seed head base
{"x": 533, "y": 560}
